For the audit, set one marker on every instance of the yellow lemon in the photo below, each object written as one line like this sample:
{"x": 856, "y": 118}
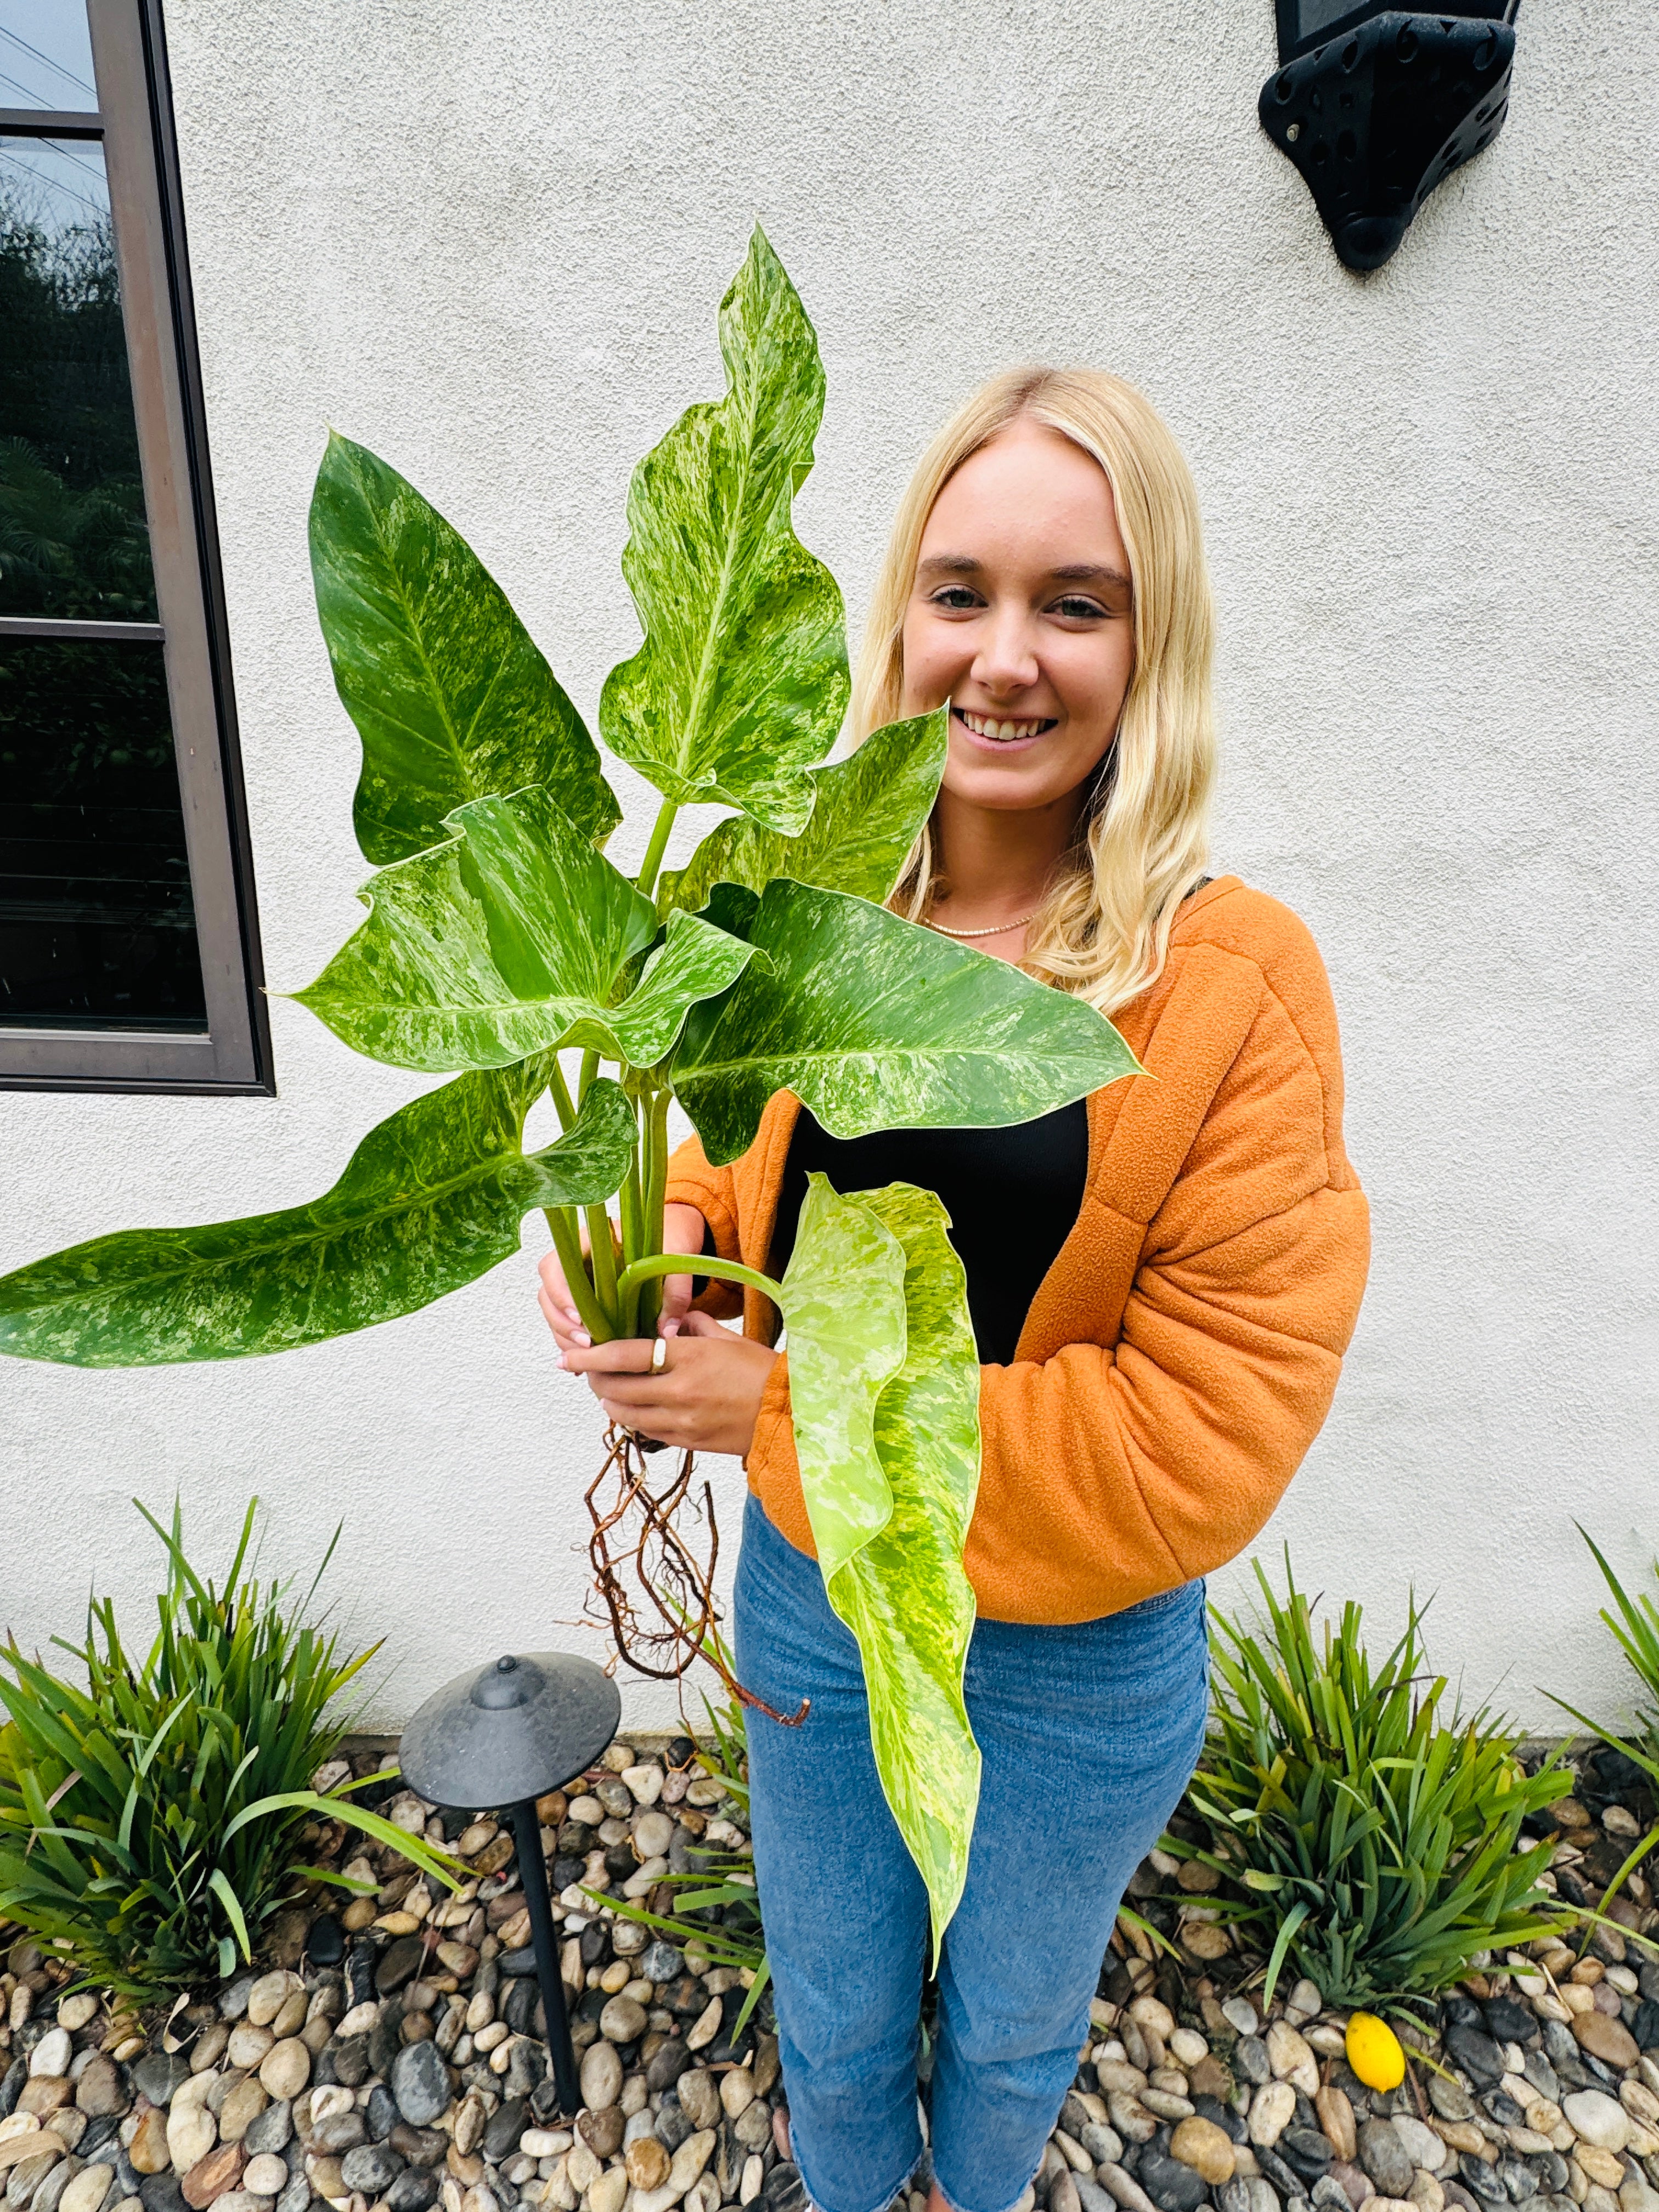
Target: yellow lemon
{"x": 1374, "y": 2052}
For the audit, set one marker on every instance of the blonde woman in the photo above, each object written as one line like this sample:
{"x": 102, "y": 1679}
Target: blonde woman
{"x": 1163, "y": 1281}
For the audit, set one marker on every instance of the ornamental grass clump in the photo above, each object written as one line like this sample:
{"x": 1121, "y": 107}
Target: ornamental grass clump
{"x": 1635, "y": 1629}
{"x": 716, "y": 1909}
{"x": 148, "y": 1823}
{"x": 1367, "y": 1837}
{"x": 499, "y": 936}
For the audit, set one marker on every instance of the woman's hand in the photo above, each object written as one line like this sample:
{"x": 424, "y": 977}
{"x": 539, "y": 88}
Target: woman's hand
{"x": 682, "y": 1231}
{"x": 706, "y": 1395}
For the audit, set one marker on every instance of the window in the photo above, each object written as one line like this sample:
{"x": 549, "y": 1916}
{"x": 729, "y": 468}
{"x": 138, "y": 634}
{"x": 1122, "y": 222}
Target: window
{"x": 129, "y": 954}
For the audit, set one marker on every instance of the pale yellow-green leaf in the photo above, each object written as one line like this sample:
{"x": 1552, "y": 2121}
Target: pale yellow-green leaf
{"x": 843, "y": 1300}
{"x": 890, "y": 1494}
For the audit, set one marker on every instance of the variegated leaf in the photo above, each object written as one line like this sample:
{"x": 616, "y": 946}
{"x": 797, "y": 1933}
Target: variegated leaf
{"x": 741, "y": 683}
{"x": 450, "y": 695}
{"x": 877, "y": 1023}
{"x": 905, "y": 1595}
{"x": 867, "y": 811}
{"x": 843, "y": 1301}
{"x": 513, "y": 939}
{"x": 884, "y": 1387}
{"x": 430, "y": 1200}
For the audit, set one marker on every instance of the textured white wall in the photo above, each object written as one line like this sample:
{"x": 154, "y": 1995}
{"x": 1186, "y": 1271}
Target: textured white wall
{"x": 489, "y": 241}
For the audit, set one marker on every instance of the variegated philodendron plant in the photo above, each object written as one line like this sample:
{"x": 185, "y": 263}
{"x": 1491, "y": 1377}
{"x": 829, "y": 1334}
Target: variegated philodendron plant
{"x": 499, "y": 936}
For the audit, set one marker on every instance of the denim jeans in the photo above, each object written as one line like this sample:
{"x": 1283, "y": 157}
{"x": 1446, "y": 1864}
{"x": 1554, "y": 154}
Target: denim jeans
{"x": 1088, "y": 1736}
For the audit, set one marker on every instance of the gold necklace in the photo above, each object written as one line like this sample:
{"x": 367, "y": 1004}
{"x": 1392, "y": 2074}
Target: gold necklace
{"x": 1001, "y": 929}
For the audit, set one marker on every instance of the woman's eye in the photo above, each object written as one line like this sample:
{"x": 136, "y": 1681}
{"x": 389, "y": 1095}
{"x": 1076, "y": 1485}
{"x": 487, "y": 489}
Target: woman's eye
{"x": 956, "y": 597}
{"x": 1080, "y": 610}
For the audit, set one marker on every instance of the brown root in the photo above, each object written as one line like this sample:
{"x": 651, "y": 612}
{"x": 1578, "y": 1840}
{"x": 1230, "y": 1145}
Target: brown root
{"x": 658, "y": 1595}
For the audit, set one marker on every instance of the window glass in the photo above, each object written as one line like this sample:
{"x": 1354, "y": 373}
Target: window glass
{"x": 73, "y": 541}
{"x": 45, "y": 55}
{"x": 128, "y": 942}
{"x": 96, "y": 924}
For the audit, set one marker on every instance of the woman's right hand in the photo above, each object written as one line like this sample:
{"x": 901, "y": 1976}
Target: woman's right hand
{"x": 682, "y": 1231}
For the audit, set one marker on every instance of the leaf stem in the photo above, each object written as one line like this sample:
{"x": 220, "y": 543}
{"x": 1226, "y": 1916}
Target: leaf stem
{"x": 567, "y": 1243}
{"x": 633, "y": 1216}
{"x": 694, "y": 1263}
{"x": 603, "y": 1253}
{"x": 590, "y": 1068}
{"x": 646, "y": 879}
{"x": 564, "y": 1105}
{"x": 656, "y": 1186}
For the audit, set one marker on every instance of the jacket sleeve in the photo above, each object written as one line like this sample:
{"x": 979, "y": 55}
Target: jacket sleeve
{"x": 692, "y": 1182}
{"x": 1109, "y": 1474}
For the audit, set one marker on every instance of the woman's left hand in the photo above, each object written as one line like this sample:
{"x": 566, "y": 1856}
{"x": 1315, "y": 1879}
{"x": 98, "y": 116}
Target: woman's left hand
{"x": 705, "y": 1397}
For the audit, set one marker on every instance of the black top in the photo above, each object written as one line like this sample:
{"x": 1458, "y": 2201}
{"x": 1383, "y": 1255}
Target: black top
{"x": 1013, "y": 1196}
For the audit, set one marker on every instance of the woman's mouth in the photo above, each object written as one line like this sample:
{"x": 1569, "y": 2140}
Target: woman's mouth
{"x": 992, "y": 730}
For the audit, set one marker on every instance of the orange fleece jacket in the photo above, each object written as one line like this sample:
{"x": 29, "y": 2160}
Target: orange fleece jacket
{"x": 1182, "y": 1352}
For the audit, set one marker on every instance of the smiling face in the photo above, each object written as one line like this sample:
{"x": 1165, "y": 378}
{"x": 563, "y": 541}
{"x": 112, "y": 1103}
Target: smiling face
{"x": 1021, "y": 615}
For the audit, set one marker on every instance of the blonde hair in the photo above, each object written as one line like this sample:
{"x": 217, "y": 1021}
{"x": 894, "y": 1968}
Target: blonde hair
{"x": 1102, "y": 930}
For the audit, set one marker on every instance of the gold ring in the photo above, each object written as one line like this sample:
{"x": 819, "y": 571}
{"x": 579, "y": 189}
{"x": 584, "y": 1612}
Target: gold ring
{"x": 658, "y": 1355}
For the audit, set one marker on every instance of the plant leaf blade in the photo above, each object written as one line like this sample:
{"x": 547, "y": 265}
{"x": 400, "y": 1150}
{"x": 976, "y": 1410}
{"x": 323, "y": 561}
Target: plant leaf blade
{"x": 741, "y": 682}
{"x": 843, "y": 1350}
{"x": 430, "y": 1200}
{"x": 867, "y": 811}
{"x": 890, "y": 1488}
{"x": 876, "y": 1024}
{"x": 451, "y": 697}
{"x": 509, "y": 941}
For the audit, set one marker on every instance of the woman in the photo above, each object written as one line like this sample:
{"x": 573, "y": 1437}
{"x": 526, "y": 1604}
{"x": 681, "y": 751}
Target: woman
{"x": 1163, "y": 1281}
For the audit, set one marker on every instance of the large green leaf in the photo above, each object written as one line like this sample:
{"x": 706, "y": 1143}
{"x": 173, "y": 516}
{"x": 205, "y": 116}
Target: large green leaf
{"x": 876, "y": 1024}
{"x": 866, "y": 814}
{"x": 741, "y": 683}
{"x": 884, "y": 1387}
{"x": 451, "y": 699}
{"x": 512, "y": 939}
{"x": 430, "y": 1200}
{"x": 843, "y": 1302}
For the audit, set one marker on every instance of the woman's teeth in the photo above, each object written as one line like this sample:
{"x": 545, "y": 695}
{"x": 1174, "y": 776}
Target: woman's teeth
{"x": 983, "y": 727}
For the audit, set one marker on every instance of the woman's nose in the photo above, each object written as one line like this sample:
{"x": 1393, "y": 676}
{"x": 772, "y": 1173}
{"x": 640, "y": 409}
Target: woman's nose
{"x": 1006, "y": 659}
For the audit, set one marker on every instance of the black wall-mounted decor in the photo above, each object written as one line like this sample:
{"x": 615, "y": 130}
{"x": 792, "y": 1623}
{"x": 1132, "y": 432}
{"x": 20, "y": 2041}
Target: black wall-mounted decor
{"x": 1377, "y": 106}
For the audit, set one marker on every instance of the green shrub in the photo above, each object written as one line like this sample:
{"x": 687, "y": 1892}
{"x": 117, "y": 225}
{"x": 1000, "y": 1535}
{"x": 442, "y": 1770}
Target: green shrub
{"x": 149, "y": 1822}
{"x": 1367, "y": 1838}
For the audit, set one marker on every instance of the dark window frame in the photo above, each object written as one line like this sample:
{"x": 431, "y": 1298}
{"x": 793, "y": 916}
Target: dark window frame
{"x": 134, "y": 121}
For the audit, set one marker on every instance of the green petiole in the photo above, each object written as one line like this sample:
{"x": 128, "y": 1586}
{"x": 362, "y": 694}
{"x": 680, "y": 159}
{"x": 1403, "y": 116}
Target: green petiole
{"x": 646, "y": 879}
{"x": 567, "y": 1243}
{"x": 694, "y": 1263}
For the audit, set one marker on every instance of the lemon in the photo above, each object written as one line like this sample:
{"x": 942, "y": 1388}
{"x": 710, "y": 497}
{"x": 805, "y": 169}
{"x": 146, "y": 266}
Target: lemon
{"x": 1374, "y": 2052}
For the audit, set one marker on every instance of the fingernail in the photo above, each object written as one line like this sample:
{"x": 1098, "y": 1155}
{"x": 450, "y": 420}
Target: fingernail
{"x": 584, "y": 1339}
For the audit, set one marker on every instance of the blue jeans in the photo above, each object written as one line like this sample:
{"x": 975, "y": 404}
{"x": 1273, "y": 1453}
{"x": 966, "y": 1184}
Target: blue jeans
{"x": 1088, "y": 1735}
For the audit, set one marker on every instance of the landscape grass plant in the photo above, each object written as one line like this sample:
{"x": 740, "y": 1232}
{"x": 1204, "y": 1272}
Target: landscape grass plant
{"x": 149, "y": 1822}
{"x": 1368, "y": 1835}
{"x": 1635, "y": 1629}
{"x": 720, "y": 1890}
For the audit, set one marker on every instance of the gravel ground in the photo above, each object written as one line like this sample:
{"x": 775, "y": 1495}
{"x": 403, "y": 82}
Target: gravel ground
{"x": 388, "y": 2058}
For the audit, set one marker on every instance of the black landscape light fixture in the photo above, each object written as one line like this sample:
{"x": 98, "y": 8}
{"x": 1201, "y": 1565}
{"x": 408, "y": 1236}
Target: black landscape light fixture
{"x": 502, "y": 1735}
{"x": 1377, "y": 106}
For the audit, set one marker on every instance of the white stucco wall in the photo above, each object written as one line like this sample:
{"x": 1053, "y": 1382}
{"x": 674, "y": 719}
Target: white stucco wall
{"x": 489, "y": 241}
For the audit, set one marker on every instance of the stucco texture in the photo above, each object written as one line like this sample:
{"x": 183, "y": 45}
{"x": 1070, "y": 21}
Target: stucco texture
{"x": 489, "y": 241}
